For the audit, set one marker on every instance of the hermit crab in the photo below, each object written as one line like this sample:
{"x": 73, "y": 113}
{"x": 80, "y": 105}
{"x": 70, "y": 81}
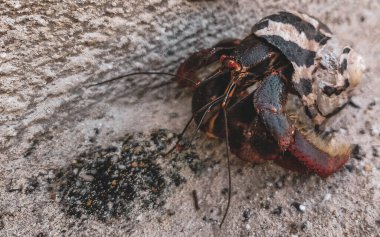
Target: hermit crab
{"x": 241, "y": 88}
{"x": 244, "y": 99}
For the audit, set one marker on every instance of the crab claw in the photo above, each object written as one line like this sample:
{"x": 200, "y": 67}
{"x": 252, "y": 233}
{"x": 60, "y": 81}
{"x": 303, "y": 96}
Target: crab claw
{"x": 323, "y": 162}
{"x": 301, "y": 152}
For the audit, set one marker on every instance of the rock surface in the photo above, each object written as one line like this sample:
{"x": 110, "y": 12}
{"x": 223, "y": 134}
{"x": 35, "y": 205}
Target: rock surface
{"x": 50, "y": 52}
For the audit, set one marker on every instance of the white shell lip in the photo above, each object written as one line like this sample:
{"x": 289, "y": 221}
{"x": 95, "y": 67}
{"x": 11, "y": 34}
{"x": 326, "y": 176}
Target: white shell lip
{"x": 355, "y": 68}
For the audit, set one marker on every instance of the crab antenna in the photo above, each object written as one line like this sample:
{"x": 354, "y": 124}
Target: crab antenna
{"x": 228, "y": 167}
{"x": 201, "y": 121}
{"x": 141, "y": 73}
{"x": 209, "y": 105}
{"x": 180, "y": 136}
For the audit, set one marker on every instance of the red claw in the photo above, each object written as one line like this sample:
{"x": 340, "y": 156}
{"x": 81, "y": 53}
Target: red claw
{"x": 315, "y": 159}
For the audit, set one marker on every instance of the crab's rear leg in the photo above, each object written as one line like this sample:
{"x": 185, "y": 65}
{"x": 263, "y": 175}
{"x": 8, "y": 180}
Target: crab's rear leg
{"x": 311, "y": 153}
{"x": 201, "y": 59}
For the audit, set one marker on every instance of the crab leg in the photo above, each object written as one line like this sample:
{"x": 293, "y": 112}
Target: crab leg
{"x": 203, "y": 58}
{"x": 248, "y": 137}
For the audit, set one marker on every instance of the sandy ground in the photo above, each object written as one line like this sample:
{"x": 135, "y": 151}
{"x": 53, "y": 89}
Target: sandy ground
{"x": 51, "y": 126}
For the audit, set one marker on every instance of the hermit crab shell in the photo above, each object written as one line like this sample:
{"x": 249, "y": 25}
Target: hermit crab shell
{"x": 298, "y": 36}
{"x": 316, "y": 56}
{"x": 338, "y": 64}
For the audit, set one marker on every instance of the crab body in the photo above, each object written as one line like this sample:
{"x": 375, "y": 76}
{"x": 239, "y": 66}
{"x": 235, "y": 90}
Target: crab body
{"x": 252, "y": 83}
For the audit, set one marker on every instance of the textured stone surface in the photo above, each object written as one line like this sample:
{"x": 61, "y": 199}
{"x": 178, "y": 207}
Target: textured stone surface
{"x": 50, "y": 52}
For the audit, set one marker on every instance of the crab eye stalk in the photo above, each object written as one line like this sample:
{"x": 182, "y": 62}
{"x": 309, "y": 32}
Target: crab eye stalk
{"x": 230, "y": 63}
{"x": 233, "y": 65}
{"x": 222, "y": 58}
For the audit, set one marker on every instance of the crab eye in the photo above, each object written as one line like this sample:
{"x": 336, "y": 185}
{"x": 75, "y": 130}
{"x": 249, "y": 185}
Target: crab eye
{"x": 233, "y": 65}
{"x": 230, "y": 63}
{"x": 223, "y": 58}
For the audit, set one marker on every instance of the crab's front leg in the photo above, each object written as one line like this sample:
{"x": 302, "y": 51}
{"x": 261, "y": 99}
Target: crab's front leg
{"x": 201, "y": 59}
{"x": 269, "y": 102}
